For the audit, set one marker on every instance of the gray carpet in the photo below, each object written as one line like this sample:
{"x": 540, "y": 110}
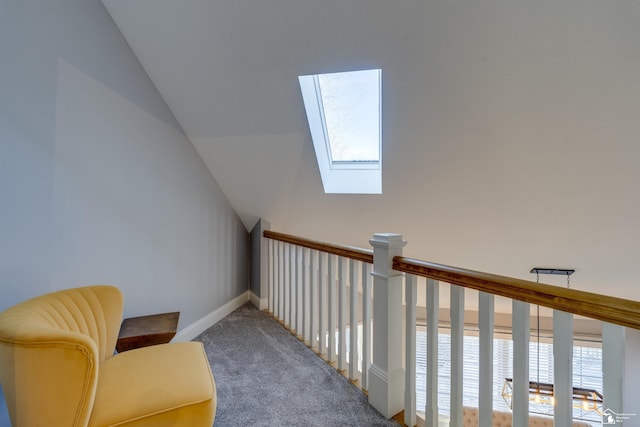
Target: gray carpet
{"x": 267, "y": 377}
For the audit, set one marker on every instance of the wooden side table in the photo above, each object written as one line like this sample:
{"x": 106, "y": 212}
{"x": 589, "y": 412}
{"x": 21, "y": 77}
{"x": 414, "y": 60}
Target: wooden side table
{"x": 144, "y": 331}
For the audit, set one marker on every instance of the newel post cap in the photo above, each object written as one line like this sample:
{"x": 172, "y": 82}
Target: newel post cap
{"x": 387, "y": 240}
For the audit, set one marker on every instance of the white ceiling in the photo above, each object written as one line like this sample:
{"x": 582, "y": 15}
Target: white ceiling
{"x": 510, "y": 129}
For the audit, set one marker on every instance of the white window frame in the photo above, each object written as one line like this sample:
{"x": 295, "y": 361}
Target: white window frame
{"x": 340, "y": 177}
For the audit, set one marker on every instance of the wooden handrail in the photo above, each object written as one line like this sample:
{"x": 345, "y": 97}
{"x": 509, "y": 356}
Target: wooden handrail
{"x": 351, "y": 252}
{"x": 602, "y": 307}
{"x": 610, "y": 309}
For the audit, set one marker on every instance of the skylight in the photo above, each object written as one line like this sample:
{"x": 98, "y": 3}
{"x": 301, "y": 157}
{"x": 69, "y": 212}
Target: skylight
{"x": 343, "y": 110}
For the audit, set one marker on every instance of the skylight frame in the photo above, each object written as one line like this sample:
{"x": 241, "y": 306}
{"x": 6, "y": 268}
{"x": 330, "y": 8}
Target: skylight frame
{"x": 340, "y": 176}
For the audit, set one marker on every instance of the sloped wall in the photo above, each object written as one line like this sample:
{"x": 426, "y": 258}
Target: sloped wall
{"x": 98, "y": 182}
{"x": 509, "y": 129}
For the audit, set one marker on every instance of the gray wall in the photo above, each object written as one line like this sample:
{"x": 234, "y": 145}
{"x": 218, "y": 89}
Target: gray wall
{"x": 259, "y": 265}
{"x": 256, "y": 239}
{"x": 98, "y": 183}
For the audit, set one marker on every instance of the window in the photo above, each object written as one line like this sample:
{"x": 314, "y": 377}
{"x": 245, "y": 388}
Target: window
{"x": 344, "y": 110}
{"x": 587, "y": 370}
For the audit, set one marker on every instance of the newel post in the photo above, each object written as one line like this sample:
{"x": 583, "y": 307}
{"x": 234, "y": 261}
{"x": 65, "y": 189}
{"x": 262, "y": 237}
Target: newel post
{"x": 386, "y": 375}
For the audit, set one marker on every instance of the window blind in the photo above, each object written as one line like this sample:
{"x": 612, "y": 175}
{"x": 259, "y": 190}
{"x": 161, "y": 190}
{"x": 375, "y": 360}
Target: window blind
{"x": 587, "y": 370}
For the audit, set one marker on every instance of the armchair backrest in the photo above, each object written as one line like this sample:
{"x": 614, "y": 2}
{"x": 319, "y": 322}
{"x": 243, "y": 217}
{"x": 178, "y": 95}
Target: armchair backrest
{"x": 51, "y": 347}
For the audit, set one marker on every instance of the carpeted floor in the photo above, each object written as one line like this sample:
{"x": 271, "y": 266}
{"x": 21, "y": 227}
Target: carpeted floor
{"x": 267, "y": 377}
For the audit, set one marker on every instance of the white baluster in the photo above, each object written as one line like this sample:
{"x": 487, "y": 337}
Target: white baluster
{"x": 353, "y": 321}
{"x": 457, "y": 353}
{"x": 298, "y": 287}
{"x": 293, "y": 313}
{"x": 485, "y": 391}
{"x": 366, "y": 323}
{"x": 300, "y": 293}
{"x": 342, "y": 313}
{"x": 283, "y": 279}
{"x": 322, "y": 307}
{"x": 411, "y": 297}
{"x": 563, "y": 368}
{"x": 306, "y": 289}
{"x": 287, "y": 287}
{"x": 520, "y": 330}
{"x": 313, "y": 299}
{"x": 271, "y": 260}
{"x": 280, "y": 282}
{"x": 433, "y": 309}
{"x": 331, "y": 318}
{"x": 613, "y": 338}
{"x": 292, "y": 280}
{"x": 621, "y": 365}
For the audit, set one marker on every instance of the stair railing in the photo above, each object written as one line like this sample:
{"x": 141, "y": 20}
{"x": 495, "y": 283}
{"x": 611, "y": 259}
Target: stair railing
{"x": 322, "y": 294}
{"x": 322, "y": 291}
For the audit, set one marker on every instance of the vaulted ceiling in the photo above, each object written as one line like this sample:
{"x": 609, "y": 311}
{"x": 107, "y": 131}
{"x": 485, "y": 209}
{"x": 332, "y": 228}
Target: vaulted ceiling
{"x": 510, "y": 129}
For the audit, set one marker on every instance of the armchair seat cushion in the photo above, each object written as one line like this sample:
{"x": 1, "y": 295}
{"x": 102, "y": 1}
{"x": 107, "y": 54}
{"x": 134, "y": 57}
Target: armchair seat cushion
{"x": 155, "y": 386}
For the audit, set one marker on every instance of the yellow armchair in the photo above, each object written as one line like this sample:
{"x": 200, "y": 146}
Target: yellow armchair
{"x": 57, "y": 367}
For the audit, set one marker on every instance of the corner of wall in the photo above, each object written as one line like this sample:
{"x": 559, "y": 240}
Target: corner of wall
{"x": 198, "y": 327}
{"x": 258, "y": 276}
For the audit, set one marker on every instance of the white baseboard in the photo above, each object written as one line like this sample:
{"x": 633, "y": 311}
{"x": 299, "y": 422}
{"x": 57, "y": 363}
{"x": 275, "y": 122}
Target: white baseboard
{"x": 261, "y": 304}
{"x": 198, "y": 327}
{"x": 254, "y": 299}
